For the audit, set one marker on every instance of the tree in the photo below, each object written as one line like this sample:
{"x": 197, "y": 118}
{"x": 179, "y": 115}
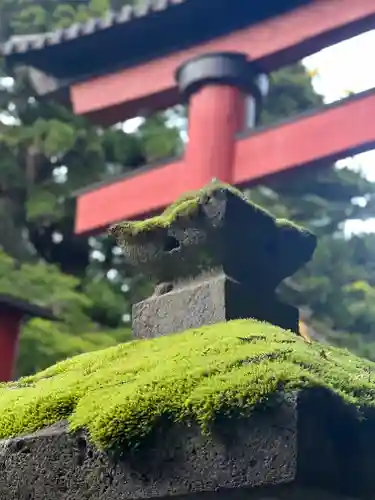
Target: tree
{"x": 46, "y": 154}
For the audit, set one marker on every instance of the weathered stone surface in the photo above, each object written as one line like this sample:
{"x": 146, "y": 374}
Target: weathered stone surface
{"x": 288, "y": 492}
{"x": 55, "y": 465}
{"x": 336, "y": 446}
{"x": 217, "y": 233}
{"x": 215, "y": 299}
{"x": 327, "y": 453}
{"x": 216, "y": 229}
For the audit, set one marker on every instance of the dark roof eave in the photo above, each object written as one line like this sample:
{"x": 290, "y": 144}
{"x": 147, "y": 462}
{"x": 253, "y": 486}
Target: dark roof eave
{"x": 136, "y": 35}
{"x": 23, "y": 44}
{"x": 25, "y": 307}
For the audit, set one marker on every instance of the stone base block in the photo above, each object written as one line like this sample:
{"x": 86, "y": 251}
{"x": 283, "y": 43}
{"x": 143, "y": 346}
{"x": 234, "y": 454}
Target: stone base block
{"x": 213, "y": 300}
{"x": 310, "y": 447}
{"x": 56, "y": 465}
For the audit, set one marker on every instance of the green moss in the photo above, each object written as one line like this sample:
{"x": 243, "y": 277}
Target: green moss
{"x": 186, "y": 205}
{"x": 121, "y": 393}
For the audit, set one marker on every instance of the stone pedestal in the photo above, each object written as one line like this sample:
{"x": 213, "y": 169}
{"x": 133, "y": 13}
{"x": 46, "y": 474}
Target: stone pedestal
{"x": 55, "y": 465}
{"x": 215, "y": 299}
{"x": 309, "y": 447}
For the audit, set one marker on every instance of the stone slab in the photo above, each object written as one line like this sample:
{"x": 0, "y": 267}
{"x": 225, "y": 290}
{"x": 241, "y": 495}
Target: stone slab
{"x": 55, "y": 465}
{"x": 289, "y": 492}
{"x": 336, "y": 445}
{"x": 327, "y": 453}
{"x": 206, "y": 302}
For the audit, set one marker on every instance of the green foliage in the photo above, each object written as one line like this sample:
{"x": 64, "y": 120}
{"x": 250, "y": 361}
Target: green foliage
{"x": 27, "y": 17}
{"x": 45, "y": 285}
{"x": 47, "y": 152}
{"x": 123, "y": 393}
{"x": 44, "y": 343}
{"x": 108, "y": 303}
{"x": 338, "y": 287}
{"x": 158, "y": 141}
{"x": 291, "y": 92}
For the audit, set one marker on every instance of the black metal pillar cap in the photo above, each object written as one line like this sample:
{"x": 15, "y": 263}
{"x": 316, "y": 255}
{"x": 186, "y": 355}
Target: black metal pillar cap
{"x": 221, "y": 68}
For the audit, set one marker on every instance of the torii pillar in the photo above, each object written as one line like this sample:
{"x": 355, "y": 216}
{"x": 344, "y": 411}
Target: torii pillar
{"x": 224, "y": 91}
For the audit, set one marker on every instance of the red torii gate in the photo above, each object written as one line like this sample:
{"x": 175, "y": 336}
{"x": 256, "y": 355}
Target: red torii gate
{"x": 141, "y": 49}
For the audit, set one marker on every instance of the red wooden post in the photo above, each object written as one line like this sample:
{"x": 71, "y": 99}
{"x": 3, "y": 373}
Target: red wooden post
{"x": 12, "y": 313}
{"x": 216, "y": 86}
{"x": 10, "y": 323}
{"x": 215, "y": 116}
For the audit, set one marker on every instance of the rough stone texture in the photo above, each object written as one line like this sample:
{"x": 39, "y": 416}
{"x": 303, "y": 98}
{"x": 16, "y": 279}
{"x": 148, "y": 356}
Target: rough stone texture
{"x": 219, "y": 231}
{"x": 288, "y": 492}
{"x": 327, "y": 453}
{"x": 55, "y": 465}
{"x": 336, "y": 446}
{"x": 222, "y": 234}
{"x": 213, "y": 300}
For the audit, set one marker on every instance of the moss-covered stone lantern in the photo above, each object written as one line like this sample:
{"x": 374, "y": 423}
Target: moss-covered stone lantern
{"x": 214, "y": 256}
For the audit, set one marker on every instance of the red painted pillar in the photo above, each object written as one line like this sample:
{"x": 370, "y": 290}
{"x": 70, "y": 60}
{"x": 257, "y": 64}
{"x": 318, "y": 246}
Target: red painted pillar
{"x": 216, "y": 86}
{"x": 10, "y": 323}
{"x": 216, "y": 114}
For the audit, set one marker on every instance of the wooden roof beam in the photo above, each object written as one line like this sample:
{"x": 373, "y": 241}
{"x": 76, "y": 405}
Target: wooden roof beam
{"x": 300, "y": 32}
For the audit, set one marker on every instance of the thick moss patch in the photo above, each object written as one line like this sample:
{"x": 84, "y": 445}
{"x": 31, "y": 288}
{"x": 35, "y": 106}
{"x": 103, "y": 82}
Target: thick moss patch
{"x": 185, "y": 206}
{"x": 121, "y": 394}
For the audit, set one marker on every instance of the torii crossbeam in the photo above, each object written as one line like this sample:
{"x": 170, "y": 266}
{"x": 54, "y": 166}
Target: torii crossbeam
{"x": 217, "y": 50}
